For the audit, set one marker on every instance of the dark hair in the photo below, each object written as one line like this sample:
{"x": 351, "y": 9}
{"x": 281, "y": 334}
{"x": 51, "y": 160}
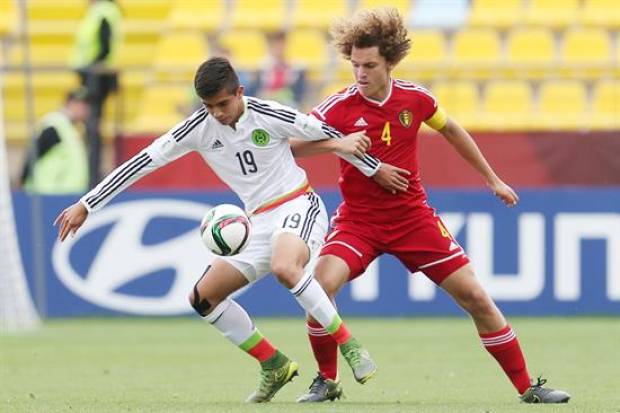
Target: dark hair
{"x": 214, "y": 75}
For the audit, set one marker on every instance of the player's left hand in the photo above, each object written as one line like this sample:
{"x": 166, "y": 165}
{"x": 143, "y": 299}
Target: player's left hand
{"x": 356, "y": 143}
{"x": 70, "y": 220}
{"x": 392, "y": 178}
{"x": 504, "y": 192}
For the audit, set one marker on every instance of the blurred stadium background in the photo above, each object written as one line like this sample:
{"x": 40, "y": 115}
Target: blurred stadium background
{"x": 537, "y": 82}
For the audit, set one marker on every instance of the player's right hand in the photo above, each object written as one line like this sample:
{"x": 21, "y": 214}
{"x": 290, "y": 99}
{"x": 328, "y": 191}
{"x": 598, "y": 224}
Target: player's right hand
{"x": 356, "y": 143}
{"x": 70, "y": 220}
{"x": 392, "y": 178}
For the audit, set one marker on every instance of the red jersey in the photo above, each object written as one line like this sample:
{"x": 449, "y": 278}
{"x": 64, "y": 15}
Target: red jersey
{"x": 392, "y": 125}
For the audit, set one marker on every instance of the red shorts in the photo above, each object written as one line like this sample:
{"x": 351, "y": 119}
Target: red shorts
{"x": 421, "y": 243}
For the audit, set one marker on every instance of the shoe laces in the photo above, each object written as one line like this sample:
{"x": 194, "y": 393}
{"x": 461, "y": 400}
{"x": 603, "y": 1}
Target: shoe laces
{"x": 317, "y": 383}
{"x": 540, "y": 382}
{"x": 352, "y": 354}
{"x": 265, "y": 381}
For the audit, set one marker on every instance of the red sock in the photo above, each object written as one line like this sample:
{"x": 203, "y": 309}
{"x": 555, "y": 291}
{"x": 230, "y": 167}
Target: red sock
{"x": 325, "y": 350}
{"x": 262, "y": 351}
{"x": 504, "y": 346}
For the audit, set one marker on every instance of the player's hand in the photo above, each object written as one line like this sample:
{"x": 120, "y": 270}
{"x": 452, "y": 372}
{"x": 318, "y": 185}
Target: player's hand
{"x": 392, "y": 179}
{"x": 356, "y": 143}
{"x": 504, "y": 192}
{"x": 70, "y": 220}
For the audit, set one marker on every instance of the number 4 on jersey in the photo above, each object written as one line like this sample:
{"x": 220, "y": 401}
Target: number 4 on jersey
{"x": 385, "y": 135}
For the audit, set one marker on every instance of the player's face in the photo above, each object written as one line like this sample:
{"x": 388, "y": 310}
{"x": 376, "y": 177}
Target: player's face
{"x": 225, "y": 107}
{"x": 372, "y": 72}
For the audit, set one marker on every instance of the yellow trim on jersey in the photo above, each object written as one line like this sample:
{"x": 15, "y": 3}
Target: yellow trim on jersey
{"x": 276, "y": 202}
{"x": 438, "y": 120}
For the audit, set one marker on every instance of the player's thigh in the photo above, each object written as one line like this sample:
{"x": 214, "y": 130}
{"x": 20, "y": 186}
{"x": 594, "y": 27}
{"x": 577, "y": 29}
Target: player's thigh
{"x": 427, "y": 246}
{"x": 348, "y": 246}
{"x": 219, "y": 280}
{"x": 303, "y": 219}
{"x": 253, "y": 261}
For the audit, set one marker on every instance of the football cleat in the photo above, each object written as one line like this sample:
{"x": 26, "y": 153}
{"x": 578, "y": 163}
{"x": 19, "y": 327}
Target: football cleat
{"x": 539, "y": 394}
{"x": 322, "y": 390}
{"x": 359, "y": 360}
{"x": 272, "y": 380}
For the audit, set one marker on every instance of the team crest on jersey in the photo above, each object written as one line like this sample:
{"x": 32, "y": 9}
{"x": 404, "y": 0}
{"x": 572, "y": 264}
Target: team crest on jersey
{"x": 260, "y": 137}
{"x": 405, "y": 118}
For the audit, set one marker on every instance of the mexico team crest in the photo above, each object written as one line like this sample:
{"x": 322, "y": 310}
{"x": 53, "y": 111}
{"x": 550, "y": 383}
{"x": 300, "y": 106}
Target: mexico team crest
{"x": 260, "y": 137}
{"x": 405, "y": 118}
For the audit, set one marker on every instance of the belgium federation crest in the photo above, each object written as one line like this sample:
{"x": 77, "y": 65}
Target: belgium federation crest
{"x": 405, "y": 118}
{"x": 260, "y": 137}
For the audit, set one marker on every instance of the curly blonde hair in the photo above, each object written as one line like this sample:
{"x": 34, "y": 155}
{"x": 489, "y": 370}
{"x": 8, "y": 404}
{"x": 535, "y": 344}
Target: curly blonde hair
{"x": 382, "y": 27}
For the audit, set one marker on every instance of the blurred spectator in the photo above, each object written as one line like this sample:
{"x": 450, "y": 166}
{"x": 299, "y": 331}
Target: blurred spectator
{"x": 57, "y": 162}
{"x": 277, "y": 79}
{"x": 96, "y": 46}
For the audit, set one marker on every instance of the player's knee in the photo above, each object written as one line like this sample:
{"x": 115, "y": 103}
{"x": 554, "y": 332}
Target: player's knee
{"x": 331, "y": 285}
{"x": 200, "y": 304}
{"x": 477, "y": 302}
{"x": 287, "y": 274}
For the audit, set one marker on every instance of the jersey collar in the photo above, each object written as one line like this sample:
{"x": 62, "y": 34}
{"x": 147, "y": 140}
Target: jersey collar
{"x": 385, "y": 99}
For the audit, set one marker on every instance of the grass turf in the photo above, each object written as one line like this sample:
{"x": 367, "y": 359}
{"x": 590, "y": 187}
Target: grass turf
{"x": 184, "y": 365}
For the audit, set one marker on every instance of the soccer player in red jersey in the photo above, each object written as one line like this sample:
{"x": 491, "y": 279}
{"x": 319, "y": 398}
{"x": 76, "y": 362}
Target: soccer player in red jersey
{"x": 391, "y": 112}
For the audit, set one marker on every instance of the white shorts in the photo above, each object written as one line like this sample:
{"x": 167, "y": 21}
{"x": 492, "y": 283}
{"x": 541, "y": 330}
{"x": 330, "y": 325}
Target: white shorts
{"x": 304, "y": 216}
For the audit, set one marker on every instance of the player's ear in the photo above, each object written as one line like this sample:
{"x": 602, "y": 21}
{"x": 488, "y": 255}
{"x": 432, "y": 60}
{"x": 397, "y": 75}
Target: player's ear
{"x": 239, "y": 92}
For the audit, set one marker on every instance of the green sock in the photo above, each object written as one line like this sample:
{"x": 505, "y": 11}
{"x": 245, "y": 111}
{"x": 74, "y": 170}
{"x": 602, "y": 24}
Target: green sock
{"x": 276, "y": 361}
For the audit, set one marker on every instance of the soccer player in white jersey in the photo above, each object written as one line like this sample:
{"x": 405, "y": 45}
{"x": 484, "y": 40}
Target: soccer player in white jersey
{"x": 245, "y": 141}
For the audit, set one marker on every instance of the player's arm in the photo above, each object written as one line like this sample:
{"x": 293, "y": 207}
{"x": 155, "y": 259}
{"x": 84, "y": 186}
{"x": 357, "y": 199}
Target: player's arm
{"x": 356, "y": 144}
{"x": 464, "y": 144}
{"x": 160, "y": 152}
{"x": 309, "y": 128}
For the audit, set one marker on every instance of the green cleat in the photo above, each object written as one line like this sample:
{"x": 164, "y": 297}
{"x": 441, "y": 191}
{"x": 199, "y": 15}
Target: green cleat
{"x": 272, "y": 380}
{"x": 358, "y": 358}
{"x": 322, "y": 390}
{"x": 539, "y": 394}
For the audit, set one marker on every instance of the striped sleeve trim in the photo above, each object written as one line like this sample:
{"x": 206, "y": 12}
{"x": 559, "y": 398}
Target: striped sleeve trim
{"x": 117, "y": 180}
{"x": 281, "y": 114}
{"x": 368, "y": 160}
{"x": 190, "y": 124}
{"x": 270, "y": 107}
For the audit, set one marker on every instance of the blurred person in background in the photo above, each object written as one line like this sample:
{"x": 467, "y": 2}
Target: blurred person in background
{"x": 364, "y": 227}
{"x": 57, "y": 161}
{"x": 94, "y": 59}
{"x": 278, "y": 79}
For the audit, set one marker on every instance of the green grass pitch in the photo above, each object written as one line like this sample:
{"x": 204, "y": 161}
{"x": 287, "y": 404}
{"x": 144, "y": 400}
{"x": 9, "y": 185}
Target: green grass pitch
{"x": 184, "y": 365}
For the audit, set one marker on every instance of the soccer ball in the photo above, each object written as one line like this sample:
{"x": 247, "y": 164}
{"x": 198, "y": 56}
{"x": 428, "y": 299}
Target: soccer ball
{"x": 225, "y": 229}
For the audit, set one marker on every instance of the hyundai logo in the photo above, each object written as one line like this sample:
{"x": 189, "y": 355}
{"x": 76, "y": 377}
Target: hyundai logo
{"x": 122, "y": 257}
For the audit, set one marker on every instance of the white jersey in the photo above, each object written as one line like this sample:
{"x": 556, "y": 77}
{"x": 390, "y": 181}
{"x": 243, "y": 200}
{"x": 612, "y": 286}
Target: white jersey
{"x": 254, "y": 159}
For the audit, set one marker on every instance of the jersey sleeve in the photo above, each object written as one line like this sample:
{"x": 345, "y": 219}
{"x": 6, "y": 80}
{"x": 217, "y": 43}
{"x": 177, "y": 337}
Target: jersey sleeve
{"x": 177, "y": 142}
{"x": 315, "y": 129}
{"x": 289, "y": 122}
{"x": 433, "y": 114}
